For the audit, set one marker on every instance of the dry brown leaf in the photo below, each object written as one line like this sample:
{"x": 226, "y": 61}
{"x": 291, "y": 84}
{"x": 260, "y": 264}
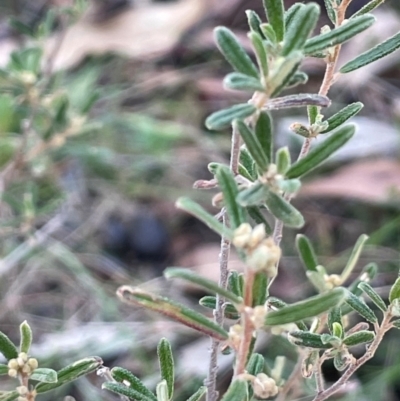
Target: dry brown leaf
{"x": 376, "y": 180}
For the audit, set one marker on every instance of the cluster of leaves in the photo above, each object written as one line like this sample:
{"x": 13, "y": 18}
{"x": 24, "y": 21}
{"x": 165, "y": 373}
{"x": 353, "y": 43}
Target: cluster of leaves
{"x": 39, "y": 117}
{"x": 128, "y": 385}
{"x": 34, "y": 380}
{"x": 257, "y": 187}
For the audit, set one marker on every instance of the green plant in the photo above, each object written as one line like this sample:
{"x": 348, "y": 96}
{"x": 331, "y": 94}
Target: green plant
{"x": 258, "y": 187}
{"x": 32, "y": 379}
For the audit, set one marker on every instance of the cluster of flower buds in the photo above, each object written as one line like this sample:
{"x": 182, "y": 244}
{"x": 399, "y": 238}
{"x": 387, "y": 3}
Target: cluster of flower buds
{"x": 22, "y": 365}
{"x": 262, "y": 254}
{"x": 264, "y": 386}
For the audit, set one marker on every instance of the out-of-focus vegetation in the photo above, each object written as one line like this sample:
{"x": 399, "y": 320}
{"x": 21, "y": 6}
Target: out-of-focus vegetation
{"x": 98, "y": 138}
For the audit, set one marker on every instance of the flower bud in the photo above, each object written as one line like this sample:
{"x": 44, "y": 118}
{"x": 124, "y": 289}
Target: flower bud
{"x": 257, "y": 235}
{"x": 235, "y": 335}
{"x": 13, "y": 364}
{"x": 264, "y": 386}
{"x": 33, "y": 363}
{"x": 12, "y": 372}
{"x": 242, "y": 235}
{"x": 258, "y": 316}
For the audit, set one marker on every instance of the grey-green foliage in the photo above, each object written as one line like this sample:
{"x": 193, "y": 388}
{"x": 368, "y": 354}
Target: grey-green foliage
{"x": 24, "y": 368}
{"x": 259, "y": 185}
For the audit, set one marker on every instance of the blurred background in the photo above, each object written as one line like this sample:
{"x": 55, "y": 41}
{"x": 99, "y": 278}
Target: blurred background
{"x": 115, "y": 134}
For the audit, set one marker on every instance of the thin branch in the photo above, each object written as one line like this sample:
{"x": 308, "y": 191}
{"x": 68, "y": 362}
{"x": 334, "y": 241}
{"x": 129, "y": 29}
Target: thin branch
{"x": 371, "y": 349}
{"x": 211, "y": 381}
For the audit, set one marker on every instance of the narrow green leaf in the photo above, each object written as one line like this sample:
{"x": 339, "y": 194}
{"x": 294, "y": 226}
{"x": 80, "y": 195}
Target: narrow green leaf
{"x": 230, "y": 312}
{"x": 196, "y": 210}
{"x": 301, "y": 28}
{"x": 255, "y": 365}
{"x": 310, "y": 307}
{"x": 312, "y": 112}
{"x": 269, "y": 33}
{"x": 123, "y": 375}
{"x": 237, "y": 391}
{"x": 235, "y": 283}
{"x": 307, "y": 339}
{"x": 383, "y": 49}
{"x": 253, "y": 145}
{"x": 254, "y": 21}
{"x": 174, "y": 310}
{"x": 283, "y": 160}
{"x": 44, "y": 375}
{"x": 283, "y": 210}
{"x": 71, "y": 372}
{"x": 245, "y": 173}
{"x": 264, "y": 133}
{"x": 3, "y": 369}
{"x": 279, "y": 304}
{"x": 338, "y": 35}
{"x": 368, "y": 7}
{"x": 373, "y": 295}
{"x": 162, "y": 391}
{"x": 260, "y": 289}
{"x": 261, "y": 55}
{"x": 353, "y": 259}
{"x": 340, "y": 361}
{"x": 330, "y": 10}
{"x": 333, "y": 341}
{"x": 258, "y": 217}
{"x": 234, "y": 52}
{"x": 283, "y": 72}
{"x": 229, "y": 188}
{"x": 306, "y": 252}
{"x": 26, "y": 337}
{"x": 361, "y": 307}
{"x": 395, "y": 290}
{"x": 122, "y": 389}
{"x": 9, "y": 396}
{"x": 337, "y": 330}
{"x": 290, "y": 14}
{"x": 186, "y": 274}
{"x": 342, "y": 116}
{"x": 7, "y": 347}
{"x": 223, "y": 118}
{"x": 274, "y": 9}
{"x": 198, "y": 394}
{"x": 321, "y": 152}
{"x": 359, "y": 337}
{"x": 166, "y": 361}
{"x": 248, "y": 163}
{"x": 242, "y": 82}
{"x": 334, "y": 316}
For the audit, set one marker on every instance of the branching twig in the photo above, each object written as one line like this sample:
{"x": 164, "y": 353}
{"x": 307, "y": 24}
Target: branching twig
{"x": 371, "y": 349}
